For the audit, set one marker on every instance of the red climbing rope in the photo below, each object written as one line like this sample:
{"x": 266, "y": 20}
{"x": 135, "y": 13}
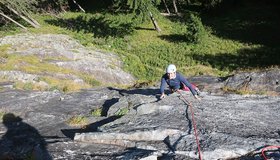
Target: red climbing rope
{"x": 194, "y": 124}
{"x": 265, "y": 148}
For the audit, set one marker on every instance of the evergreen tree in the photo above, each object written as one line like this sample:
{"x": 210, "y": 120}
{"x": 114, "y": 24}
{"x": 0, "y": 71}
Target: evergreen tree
{"x": 142, "y": 8}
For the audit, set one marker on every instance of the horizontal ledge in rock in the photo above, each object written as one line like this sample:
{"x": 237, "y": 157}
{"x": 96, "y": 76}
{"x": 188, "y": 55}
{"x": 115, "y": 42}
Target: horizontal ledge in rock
{"x": 125, "y": 139}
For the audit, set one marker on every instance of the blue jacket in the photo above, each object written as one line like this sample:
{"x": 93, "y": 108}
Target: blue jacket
{"x": 175, "y": 83}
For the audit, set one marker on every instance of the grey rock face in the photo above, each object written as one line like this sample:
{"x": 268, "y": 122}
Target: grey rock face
{"x": 259, "y": 81}
{"x": 228, "y": 126}
{"x": 104, "y": 67}
{"x": 17, "y": 75}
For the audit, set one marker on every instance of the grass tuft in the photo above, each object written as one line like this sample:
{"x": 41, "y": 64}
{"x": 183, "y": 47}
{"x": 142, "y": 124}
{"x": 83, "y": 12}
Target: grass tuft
{"x": 96, "y": 112}
{"x": 77, "y": 121}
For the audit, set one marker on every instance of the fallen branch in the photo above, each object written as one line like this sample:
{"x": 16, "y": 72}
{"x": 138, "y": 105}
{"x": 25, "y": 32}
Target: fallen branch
{"x": 24, "y": 18}
{"x": 154, "y": 22}
{"x": 79, "y": 6}
{"x": 9, "y": 18}
{"x": 166, "y": 7}
{"x": 33, "y": 20}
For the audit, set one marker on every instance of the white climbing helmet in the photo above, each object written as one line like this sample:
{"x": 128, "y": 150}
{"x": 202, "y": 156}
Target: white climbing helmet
{"x": 171, "y": 68}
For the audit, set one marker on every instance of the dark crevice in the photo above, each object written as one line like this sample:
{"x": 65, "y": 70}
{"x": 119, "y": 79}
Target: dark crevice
{"x": 106, "y": 106}
{"x": 93, "y": 127}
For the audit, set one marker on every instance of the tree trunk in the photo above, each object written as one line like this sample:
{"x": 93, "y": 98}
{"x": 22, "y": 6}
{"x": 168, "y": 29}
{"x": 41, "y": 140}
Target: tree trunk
{"x": 166, "y": 7}
{"x": 24, "y": 18}
{"x": 154, "y": 22}
{"x": 188, "y": 2}
{"x": 9, "y": 18}
{"x": 175, "y": 7}
{"x": 33, "y": 20}
{"x": 79, "y": 6}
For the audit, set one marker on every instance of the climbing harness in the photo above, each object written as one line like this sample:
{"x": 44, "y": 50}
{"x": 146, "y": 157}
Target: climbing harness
{"x": 268, "y": 147}
{"x": 194, "y": 124}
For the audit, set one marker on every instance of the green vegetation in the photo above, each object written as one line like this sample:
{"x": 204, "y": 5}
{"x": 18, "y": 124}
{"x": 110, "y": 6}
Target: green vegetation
{"x": 2, "y": 113}
{"x": 145, "y": 52}
{"x": 122, "y": 111}
{"x": 63, "y": 85}
{"x": 96, "y": 112}
{"x": 89, "y": 80}
{"x": 77, "y": 121}
{"x": 246, "y": 91}
{"x": 216, "y": 42}
{"x": 34, "y": 65}
{"x": 195, "y": 32}
{"x": 3, "y": 51}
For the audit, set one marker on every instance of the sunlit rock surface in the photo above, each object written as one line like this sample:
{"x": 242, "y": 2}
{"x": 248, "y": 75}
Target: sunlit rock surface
{"x": 228, "y": 126}
{"x": 66, "y": 53}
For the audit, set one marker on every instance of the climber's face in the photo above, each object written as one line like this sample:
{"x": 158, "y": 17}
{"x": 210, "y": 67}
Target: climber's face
{"x": 171, "y": 75}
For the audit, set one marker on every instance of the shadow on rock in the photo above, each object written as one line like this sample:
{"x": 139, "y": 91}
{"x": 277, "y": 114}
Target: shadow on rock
{"x": 188, "y": 118}
{"x": 129, "y": 153}
{"x": 145, "y": 91}
{"x": 106, "y": 106}
{"x": 21, "y": 141}
{"x": 93, "y": 127}
{"x": 136, "y": 153}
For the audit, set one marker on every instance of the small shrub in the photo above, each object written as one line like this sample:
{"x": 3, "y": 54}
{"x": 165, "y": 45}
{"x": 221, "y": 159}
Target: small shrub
{"x": 195, "y": 29}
